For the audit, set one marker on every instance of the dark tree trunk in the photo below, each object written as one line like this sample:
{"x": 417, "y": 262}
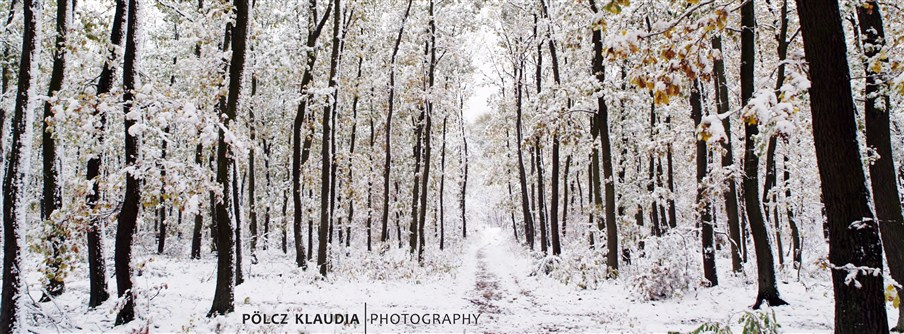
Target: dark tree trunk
{"x": 370, "y": 183}
{"x": 387, "y": 166}
{"x": 161, "y": 211}
{"x": 237, "y": 216}
{"x": 565, "y": 197}
{"x": 670, "y": 178}
{"x": 853, "y": 233}
{"x": 795, "y": 232}
{"x": 50, "y": 197}
{"x": 428, "y": 133}
{"x": 301, "y": 152}
{"x": 425, "y": 178}
{"x": 508, "y": 179}
{"x": 252, "y": 207}
{"x": 224, "y": 294}
{"x": 128, "y": 216}
{"x": 731, "y": 196}
{"x": 442, "y": 188}
{"x": 96, "y": 262}
{"x": 525, "y": 205}
{"x": 351, "y": 150}
{"x": 878, "y": 135}
{"x": 12, "y": 231}
{"x": 199, "y": 220}
{"x": 541, "y": 198}
{"x": 554, "y": 215}
{"x": 602, "y": 123}
{"x": 285, "y": 227}
{"x": 326, "y": 150}
{"x": 416, "y": 187}
{"x": 267, "y": 204}
{"x": 768, "y": 290}
{"x": 464, "y": 166}
{"x": 703, "y": 202}
{"x": 770, "y": 196}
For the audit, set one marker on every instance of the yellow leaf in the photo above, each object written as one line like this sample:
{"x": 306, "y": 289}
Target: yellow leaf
{"x": 612, "y": 7}
{"x": 693, "y": 2}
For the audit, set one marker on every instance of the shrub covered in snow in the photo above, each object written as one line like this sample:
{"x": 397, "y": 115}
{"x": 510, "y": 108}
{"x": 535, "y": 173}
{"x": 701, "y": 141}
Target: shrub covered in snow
{"x": 586, "y": 269}
{"x": 662, "y": 269}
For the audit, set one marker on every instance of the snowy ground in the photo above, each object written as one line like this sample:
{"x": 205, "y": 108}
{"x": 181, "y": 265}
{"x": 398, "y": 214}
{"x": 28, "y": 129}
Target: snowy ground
{"x": 492, "y": 280}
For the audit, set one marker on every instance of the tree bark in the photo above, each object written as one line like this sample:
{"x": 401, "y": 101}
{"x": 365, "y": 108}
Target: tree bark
{"x": 702, "y": 204}
{"x": 128, "y": 216}
{"x": 326, "y": 150}
{"x": 50, "y": 199}
{"x": 224, "y": 294}
{"x": 387, "y": 166}
{"x": 602, "y": 123}
{"x": 878, "y": 135}
{"x": 731, "y": 196}
{"x": 12, "y": 179}
{"x": 767, "y": 288}
{"x": 853, "y": 231}
{"x": 301, "y": 152}
{"x": 464, "y": 166}
{"x": 96, "y": 262}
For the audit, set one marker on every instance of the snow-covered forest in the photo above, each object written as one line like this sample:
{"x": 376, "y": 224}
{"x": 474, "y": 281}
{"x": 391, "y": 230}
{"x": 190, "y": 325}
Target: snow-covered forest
{"x": 707, "y": 166}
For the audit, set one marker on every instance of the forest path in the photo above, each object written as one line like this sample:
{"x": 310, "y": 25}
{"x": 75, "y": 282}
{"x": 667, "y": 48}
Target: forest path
{"x": 509, "y": 297}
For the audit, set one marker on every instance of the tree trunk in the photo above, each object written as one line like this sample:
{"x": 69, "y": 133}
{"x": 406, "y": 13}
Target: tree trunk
{"x": 96, "y": 262}
{"x": 770, "y": 196}
{"x": 301, "y": 152}
{"x": 464, "y": 164}
{"x": 853, "y": 233}
{"x": 161, "y": 210}
{"x": 768, "y": 290}
{"x": 554, "y": 214}
{"x": 12, "y": 179}
{"x": 326, "y": 150}
{"x": 702, "y": 204}
{"x": 252, "y": 207}
{"x": 128, "y": 216}
{"x": 525, "y": 205}
{"x": 237, "y": 216}
{"x": 731, "y": 196}
{"x": 878, "y": 135}
{"x": 224, "y": 294}
{"x": 442, "y": 188}
{"x": 50, "y": 199}
{"x": 416, "y": 187}
{"x": 387, "y": 166}
{"x": 370, "y": 206}
{"x": 602, "y": 123}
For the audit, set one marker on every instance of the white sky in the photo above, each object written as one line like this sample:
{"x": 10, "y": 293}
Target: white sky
{"x": 484, "y": 42}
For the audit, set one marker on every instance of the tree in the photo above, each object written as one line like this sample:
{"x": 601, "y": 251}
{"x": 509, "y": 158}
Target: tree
{"x": 128, "y": 215}
{"x": 601, "y": 123}
{"x": 224, "y": 294}
{"x": 702, "y": 204}
{"x": 96, "y": 267}
{"x": 882, "y": 172}
{"x": 326, "y": 151}
{"x": 767, "y": 288}
{"x": 300, "y": 153}
{"x": 384, "y": 236}
{"x": 12, "y": 179}
{"x": 854, "y": 245}
{"x": 50, "y": 197}
{"x": 731, "y": 196}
